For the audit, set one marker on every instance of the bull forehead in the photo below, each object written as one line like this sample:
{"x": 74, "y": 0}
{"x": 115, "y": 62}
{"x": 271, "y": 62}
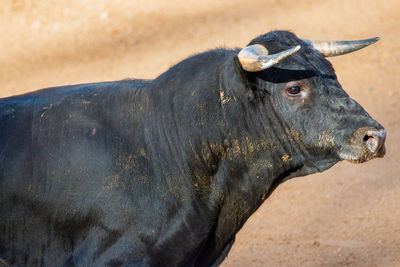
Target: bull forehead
{"x": 276, "y": 40}
{"x": 305, "y": 59}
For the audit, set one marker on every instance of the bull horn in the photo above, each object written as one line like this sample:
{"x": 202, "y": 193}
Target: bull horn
{"x": 337, "y": 48}
{"x": 255, "y": 57}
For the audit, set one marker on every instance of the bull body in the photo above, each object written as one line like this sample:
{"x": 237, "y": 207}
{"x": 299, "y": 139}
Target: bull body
{"x": 162, "y": 172}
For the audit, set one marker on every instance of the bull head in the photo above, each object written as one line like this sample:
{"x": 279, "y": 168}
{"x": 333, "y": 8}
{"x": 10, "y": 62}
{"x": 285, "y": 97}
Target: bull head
{"x": 255, "y": 58}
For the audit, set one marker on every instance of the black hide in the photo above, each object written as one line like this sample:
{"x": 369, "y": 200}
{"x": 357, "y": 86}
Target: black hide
{"x": 165, "y": 172}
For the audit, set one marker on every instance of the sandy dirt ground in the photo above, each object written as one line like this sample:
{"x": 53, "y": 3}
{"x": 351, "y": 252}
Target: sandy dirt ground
{"x": 346, "y": 216}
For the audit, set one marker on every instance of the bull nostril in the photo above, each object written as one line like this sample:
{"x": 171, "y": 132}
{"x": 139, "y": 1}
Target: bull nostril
{"x": 375, "y": 140}
{"x": 371, "y": 142}
{"x": 367, "y": 138}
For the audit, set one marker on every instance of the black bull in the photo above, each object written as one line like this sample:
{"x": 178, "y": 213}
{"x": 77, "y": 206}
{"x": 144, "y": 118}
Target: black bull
{"x": 166, "y": 172}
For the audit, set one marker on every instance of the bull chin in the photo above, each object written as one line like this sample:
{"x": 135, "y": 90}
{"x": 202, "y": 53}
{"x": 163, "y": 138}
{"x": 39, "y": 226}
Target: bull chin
{"x": 362, "y": 157}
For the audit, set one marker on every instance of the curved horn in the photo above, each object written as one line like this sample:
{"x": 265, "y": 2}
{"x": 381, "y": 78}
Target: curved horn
{"x": 337, "y": 48}
{"x": 255, "y": 57}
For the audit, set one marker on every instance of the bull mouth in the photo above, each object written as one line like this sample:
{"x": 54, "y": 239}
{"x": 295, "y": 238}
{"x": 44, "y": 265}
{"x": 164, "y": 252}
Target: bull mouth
{"x": 354, "y": 158}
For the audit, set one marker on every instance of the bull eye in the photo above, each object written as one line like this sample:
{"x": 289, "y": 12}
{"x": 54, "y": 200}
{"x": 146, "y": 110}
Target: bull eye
{"x": 294, "y": 90}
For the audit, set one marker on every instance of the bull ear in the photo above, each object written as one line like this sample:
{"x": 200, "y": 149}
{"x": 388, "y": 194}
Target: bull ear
{"x": 337, "y": 48}
{"x": 255, "y": 57}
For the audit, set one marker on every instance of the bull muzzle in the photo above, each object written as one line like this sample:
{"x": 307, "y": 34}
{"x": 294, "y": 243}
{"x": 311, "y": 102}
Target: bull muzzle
{"x": 365, "y": 144}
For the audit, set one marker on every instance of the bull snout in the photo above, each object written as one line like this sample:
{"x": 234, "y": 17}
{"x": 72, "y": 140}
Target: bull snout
{"x": 375, "y": 142}
{"x": 367, "y": 143}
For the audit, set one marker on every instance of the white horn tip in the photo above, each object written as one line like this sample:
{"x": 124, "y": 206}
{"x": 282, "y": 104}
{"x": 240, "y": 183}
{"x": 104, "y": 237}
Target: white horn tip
{"x": 295, "y": 49}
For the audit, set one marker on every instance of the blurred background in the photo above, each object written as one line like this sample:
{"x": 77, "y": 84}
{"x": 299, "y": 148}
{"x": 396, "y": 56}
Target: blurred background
{"x": 346, "y": 216}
